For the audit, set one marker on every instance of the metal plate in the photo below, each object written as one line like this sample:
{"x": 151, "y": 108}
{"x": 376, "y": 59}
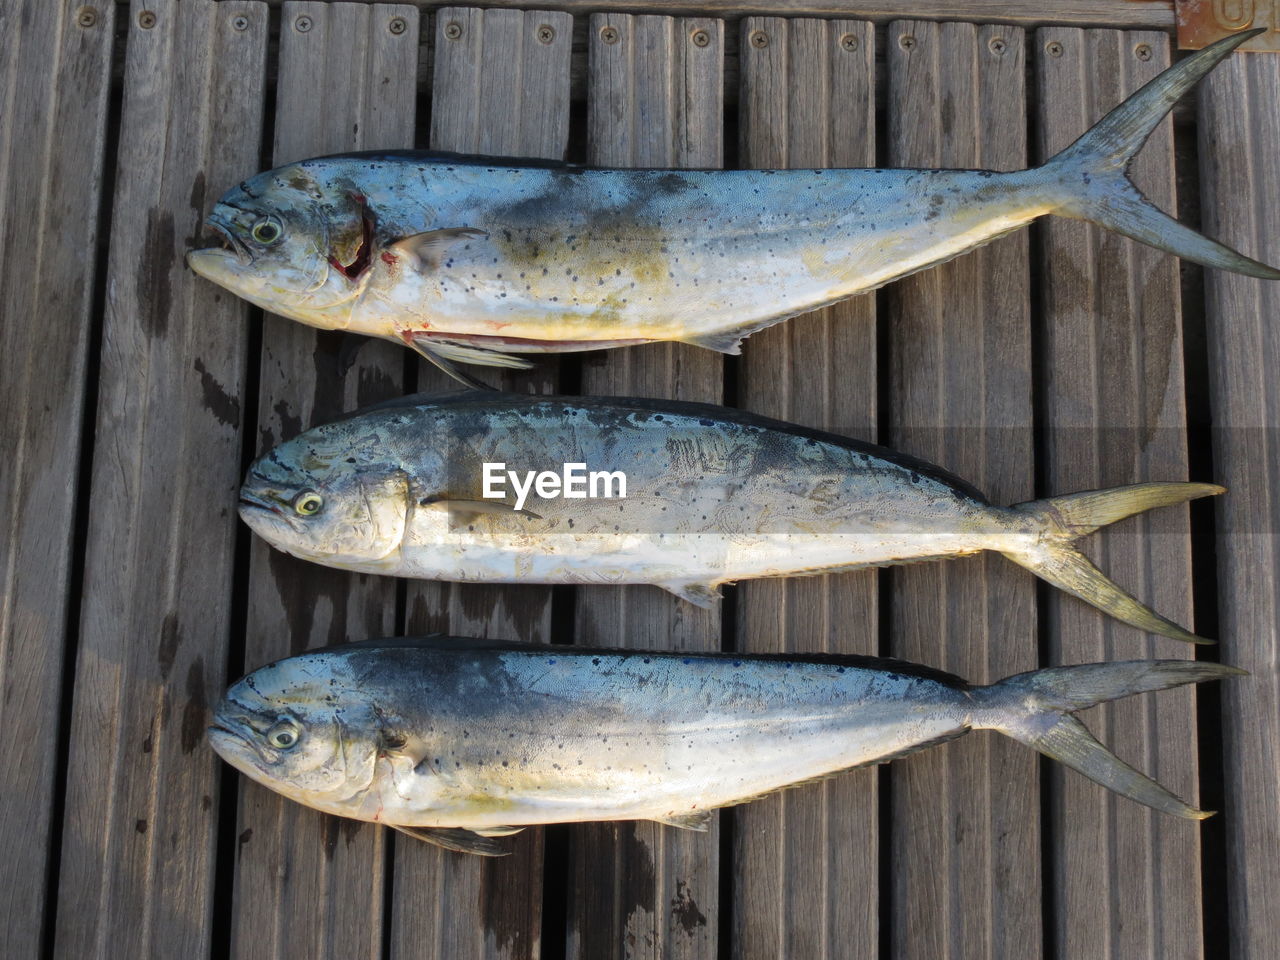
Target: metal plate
{"x": 1200, "y": 22}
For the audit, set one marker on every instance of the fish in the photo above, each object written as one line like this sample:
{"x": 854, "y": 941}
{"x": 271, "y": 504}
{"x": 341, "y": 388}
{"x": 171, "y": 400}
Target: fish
{"x": 460, "y": 741}
{"x": 475, "y": 260}
{"x": 480, "y": 486}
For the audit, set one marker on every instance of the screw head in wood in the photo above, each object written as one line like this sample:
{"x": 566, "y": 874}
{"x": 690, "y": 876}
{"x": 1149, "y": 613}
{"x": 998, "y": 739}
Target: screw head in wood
{"x": 758, "y": 39}
{"x": 453, "y": 30}
{"x": 1142, "y": 51}
{"x": 848, "y": 43}
{"x": 86, "y": 16}
{"x": 1053, "y": 48}
{"x": 302, "y": 24}
{"x": 146, "y": 19}
{"x": 701, "y": 38}
{"x": 546, "y": 34}
{"x": 240, "y": 23}
{"x": 907, "y": 42}
{"x": 609, "y": 34}
{"x": 397, "y": 26}
{"x": 997, "y": 45}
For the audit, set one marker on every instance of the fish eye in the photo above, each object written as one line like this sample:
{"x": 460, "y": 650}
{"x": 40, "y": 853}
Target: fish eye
{"x": 283, "y": 735}
{"x": 267, "y": 231}
{"x": 308, "y": 504}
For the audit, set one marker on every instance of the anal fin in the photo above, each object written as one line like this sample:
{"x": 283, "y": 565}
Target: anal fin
{"x": 730, "y": 341}
{"x": 699, "y": 820}
{"x": 722, "y": 341}
{"x": 699, "y": 594}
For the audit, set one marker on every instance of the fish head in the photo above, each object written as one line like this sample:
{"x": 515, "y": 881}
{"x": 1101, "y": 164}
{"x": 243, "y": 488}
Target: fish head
{"x": 293, "y": 241}
{"x": 331, "y": 495}
{"x": 303, "y": 728}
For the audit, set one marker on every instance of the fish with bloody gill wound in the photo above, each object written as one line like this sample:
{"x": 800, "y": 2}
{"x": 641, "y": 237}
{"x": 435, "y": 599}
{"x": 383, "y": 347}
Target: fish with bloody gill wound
{"x": 482, "y": 260}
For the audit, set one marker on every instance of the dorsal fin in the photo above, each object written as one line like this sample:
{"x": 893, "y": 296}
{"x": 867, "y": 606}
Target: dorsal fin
{"x": 440, "y": 641}
{"x": 448, "y": 158}
{"x": 702, "y": 411}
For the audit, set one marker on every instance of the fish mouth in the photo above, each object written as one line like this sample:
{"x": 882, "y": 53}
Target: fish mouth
{"x": 258, "y": 503}
{"x": 219, "y": 734}
{"x": 228, "y": 741}
{"x": 228, "y": 240}
{"x": 233, "y": 738}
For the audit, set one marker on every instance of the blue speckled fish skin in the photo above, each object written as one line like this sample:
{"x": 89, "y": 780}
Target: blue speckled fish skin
{"x": 713, "y": 496}
{"x": 479, "y": 260}
{"x": 441, "y": 733}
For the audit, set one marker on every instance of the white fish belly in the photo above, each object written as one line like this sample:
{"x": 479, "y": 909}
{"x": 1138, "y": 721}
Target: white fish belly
{"x": 671, "y": 558}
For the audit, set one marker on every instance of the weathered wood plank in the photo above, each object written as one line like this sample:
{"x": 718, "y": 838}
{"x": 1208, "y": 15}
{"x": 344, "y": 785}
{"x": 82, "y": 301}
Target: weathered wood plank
{"x": 501, "y": 82}
{"x": 1117, "y": 13}
{"x": 655, "y": 98}
{"x": 307, "y": 884}
{"x": 54, "y": 64}
{"x": 808, "y": 100}
{"x": 501, "y": 88}
{"x": 1239, "y": 131}
{"x": 140, "y": 823}
{"x": 965, "y": 817}
{"x": 1127, "y": 879}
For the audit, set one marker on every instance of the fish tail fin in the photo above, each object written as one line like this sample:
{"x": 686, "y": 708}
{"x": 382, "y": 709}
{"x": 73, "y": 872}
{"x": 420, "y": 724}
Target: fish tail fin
{"x": 1062, "y": 520}
{"x": 1090, "y": 181}
{"x": 1037, "y": 709}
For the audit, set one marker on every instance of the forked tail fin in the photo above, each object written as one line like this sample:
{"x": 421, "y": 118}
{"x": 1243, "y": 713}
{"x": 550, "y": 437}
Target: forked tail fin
{"x": 1088, "y": 180}
{"x": 1037, "y": 709}
{"x": 1066, "y": 519}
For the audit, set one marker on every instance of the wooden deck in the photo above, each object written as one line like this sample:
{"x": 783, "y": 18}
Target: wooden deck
{"x": 1056, "y": 359}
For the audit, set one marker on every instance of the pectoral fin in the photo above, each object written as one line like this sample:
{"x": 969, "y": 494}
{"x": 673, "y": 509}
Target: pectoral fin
{"x": 396, "y": 743}
{"x": 477, "y": 507}
{"x": 425, "y": 251}
{"x": 699, "y": 820}
{"x": 455, "y": 839}
{"x": 699, "y": 594}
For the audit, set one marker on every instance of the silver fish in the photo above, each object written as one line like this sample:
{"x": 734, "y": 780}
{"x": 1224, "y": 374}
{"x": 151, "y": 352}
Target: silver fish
{"x": 480, "y": 260}
{"x": 458, "y": 741}
{"x": 713, "y": 495}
